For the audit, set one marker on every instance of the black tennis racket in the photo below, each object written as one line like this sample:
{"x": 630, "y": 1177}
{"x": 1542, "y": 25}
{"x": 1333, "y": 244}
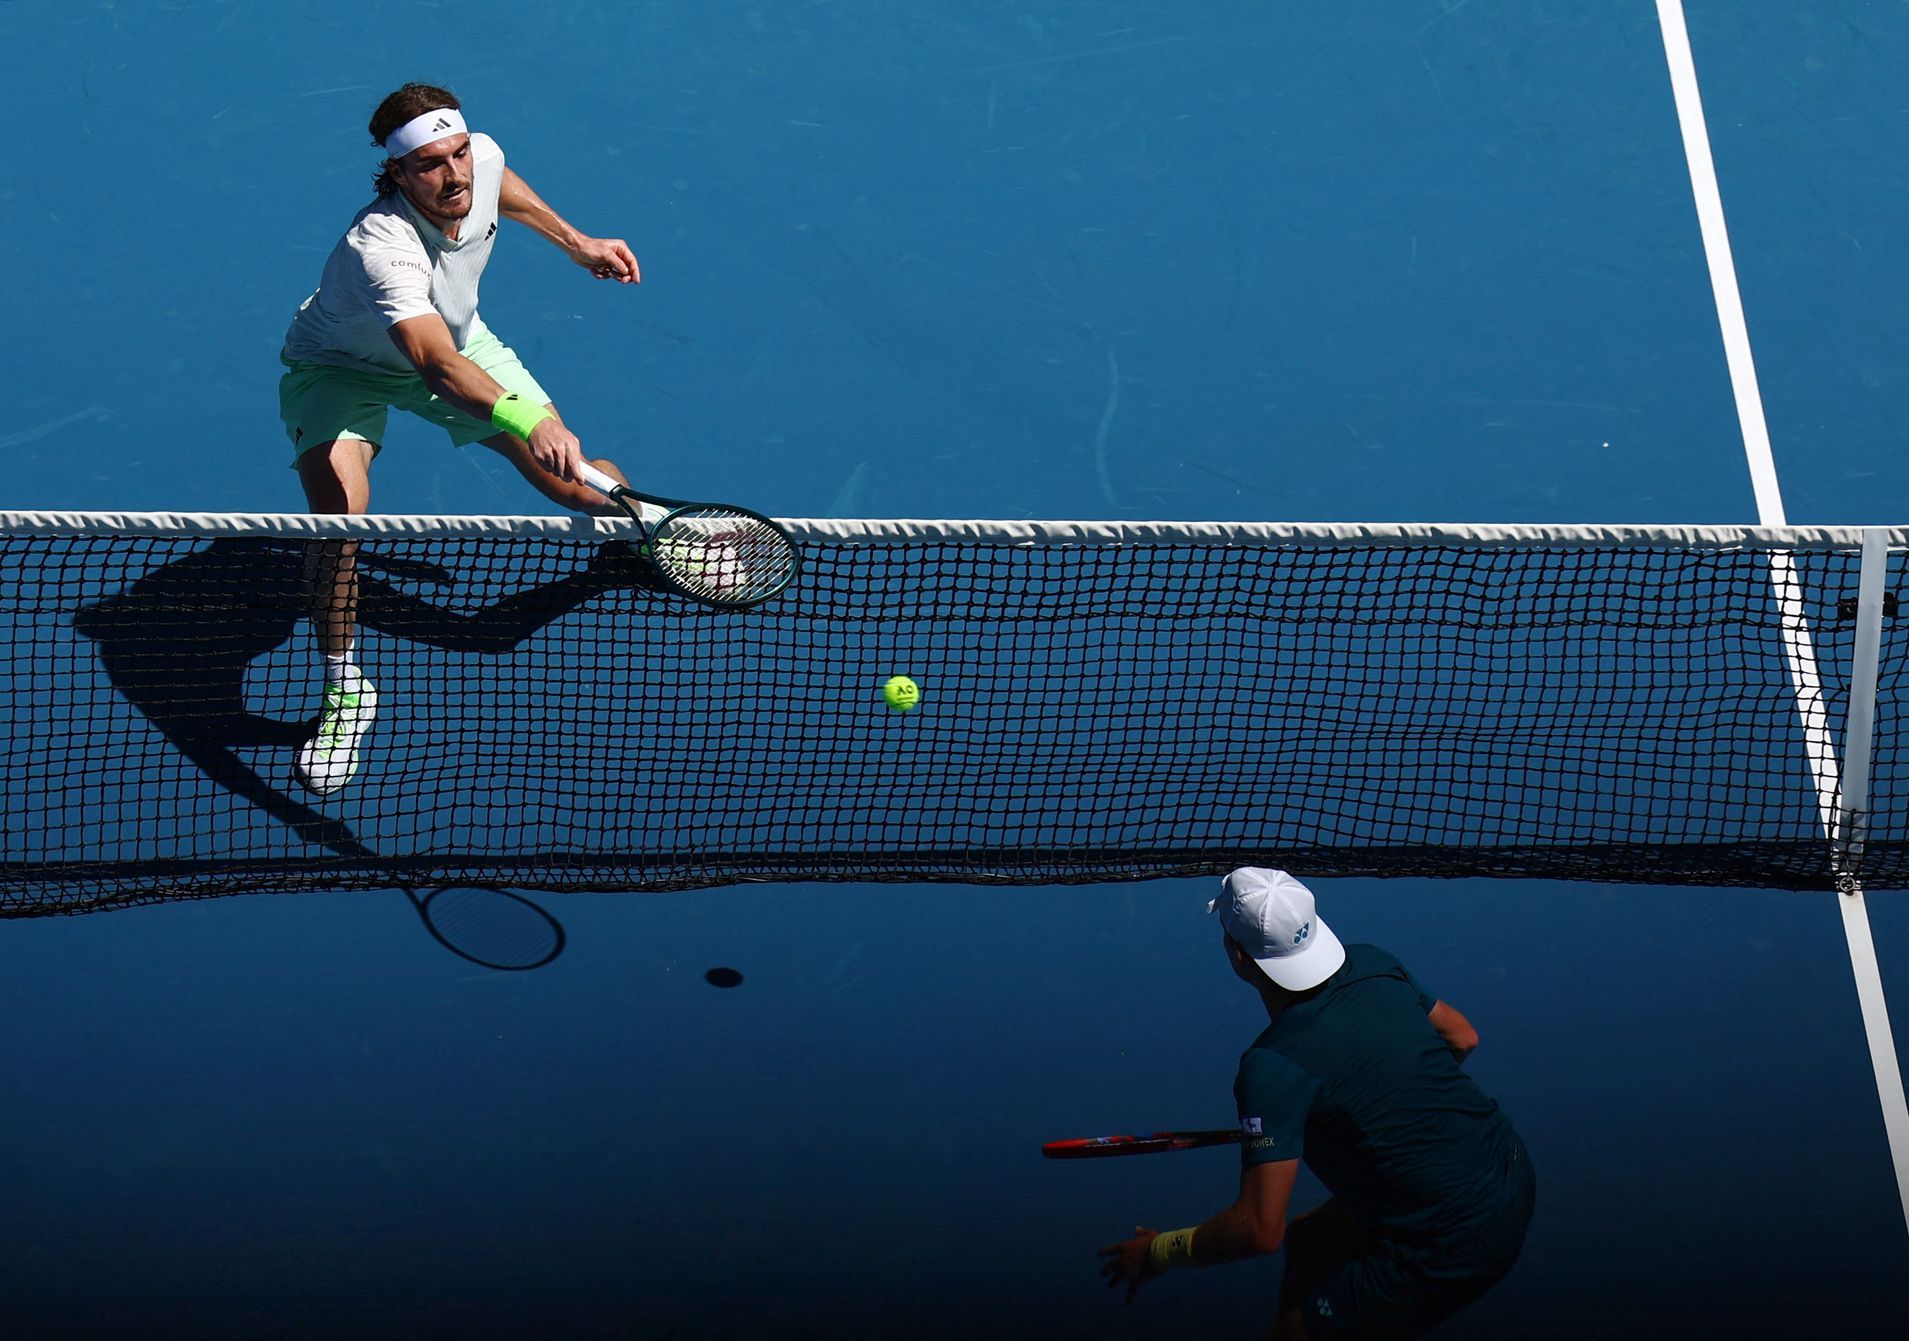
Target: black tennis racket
{"x": 716, "y": 553}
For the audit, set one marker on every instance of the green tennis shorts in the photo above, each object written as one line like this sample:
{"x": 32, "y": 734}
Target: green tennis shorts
{"x": 320, "y": 403}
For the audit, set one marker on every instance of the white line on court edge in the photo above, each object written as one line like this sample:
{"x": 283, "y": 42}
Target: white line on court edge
{"x": 1723, "y": 269}
{"x": 1797, "y": 643}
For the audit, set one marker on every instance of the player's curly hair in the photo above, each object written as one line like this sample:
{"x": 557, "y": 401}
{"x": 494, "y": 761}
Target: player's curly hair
{"x": 413, "y": 100}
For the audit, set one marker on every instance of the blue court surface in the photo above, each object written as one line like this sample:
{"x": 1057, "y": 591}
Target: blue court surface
{"x": 1361, "y": 261}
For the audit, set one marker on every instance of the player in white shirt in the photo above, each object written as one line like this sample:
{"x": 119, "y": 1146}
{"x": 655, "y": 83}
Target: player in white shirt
{"x": 394, "y": 323}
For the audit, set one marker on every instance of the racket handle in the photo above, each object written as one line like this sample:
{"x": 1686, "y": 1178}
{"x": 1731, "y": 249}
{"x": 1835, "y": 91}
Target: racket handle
{"x": 609, "y": 488}
{"x": 597, "y": 480}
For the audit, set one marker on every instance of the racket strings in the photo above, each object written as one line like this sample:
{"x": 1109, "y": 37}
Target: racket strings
{"x": 724, "y": 555}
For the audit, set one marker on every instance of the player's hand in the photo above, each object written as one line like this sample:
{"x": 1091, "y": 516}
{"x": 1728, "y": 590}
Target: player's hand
{"x": 557, "y": 450}
{"x": 607, "y": 258}
{"x": 1130, "y": 1261}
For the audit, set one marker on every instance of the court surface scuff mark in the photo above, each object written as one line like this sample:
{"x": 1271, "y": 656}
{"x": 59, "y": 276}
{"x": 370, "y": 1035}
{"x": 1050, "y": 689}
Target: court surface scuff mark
{"x": 94, "y": 413}
{"x": 1107, "y": 423}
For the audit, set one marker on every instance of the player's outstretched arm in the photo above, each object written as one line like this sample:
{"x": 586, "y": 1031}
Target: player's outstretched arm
{"x": 427, "y": 342}
{"x": 604, "y": 257}
{"x": 1252, "y": 1226}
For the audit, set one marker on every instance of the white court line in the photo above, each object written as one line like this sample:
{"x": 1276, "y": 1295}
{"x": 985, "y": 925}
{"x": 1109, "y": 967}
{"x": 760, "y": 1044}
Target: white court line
{"x": 1723, "y": 269}
{"x": 1798, "y": 645}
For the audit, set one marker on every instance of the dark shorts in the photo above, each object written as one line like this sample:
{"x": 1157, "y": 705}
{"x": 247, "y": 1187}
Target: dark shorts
{"x": 1350, "y": 1282}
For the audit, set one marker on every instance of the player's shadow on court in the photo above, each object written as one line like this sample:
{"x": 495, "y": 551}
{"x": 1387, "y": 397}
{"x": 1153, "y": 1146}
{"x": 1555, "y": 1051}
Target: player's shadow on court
{"x": 176, "y": 644}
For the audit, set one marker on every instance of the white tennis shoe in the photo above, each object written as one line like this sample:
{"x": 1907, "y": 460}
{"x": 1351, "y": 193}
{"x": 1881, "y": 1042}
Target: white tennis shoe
{"x": 326, "y": 762}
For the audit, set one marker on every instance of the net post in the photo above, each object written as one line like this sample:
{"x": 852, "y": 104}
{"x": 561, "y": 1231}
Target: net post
{"x": 1850, "y": 826}
{"x": 1852, "y": 814}
{"x": 1834, "y": 799}
{"x": 1852, "y": 823}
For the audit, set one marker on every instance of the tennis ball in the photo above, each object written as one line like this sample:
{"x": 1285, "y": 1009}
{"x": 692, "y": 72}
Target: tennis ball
{"x": 901, "y": 693}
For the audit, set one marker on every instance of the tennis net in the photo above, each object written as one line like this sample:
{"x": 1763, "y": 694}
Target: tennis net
{"x": 1099, "y": 702}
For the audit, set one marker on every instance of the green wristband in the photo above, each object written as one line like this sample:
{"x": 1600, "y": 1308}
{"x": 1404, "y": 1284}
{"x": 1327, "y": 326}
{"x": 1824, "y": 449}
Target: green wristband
{"x": 514, "y": 414}
{"x": 1174, "y": 1249}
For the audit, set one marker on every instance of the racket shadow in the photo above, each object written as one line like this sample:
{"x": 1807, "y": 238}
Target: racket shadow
{"x": 490, "y": 927}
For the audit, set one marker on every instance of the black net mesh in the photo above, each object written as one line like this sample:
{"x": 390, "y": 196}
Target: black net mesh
{"x": 1089, "y": 711}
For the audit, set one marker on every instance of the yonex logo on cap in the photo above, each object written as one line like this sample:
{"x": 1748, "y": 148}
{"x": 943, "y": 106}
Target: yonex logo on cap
{"x": 1269, "y": 916}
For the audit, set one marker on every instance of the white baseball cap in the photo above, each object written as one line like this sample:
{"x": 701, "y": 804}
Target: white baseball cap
{"x": 1271, "y": 915}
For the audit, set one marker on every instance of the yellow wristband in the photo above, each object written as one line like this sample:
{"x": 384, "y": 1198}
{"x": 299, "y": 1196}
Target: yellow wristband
{"x": 514, "y": 414}
{"x": 1173, "y": 1250}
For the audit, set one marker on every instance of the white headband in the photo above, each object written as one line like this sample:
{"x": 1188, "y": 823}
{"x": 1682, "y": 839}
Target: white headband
{"x": 421, "y": 130}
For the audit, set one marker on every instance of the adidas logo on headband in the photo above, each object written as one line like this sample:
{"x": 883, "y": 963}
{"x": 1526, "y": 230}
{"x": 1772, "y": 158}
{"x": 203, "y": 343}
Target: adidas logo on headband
{"x": 422, "y": 129}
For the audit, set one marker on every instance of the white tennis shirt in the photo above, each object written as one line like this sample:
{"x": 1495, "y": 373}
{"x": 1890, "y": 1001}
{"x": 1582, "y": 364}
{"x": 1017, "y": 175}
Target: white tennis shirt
{"x": 393, "y": 264}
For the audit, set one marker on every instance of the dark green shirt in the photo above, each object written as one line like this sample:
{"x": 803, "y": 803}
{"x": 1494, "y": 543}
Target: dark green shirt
{"x": 1357, "y": 1082}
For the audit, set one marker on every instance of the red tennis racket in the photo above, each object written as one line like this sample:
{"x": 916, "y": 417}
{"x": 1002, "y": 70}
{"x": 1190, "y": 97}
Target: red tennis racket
{"x": 1155, "y": 1143}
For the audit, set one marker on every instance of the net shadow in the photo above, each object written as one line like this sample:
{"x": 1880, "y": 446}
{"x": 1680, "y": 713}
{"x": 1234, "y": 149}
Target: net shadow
{"x": 177, "y": 644}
